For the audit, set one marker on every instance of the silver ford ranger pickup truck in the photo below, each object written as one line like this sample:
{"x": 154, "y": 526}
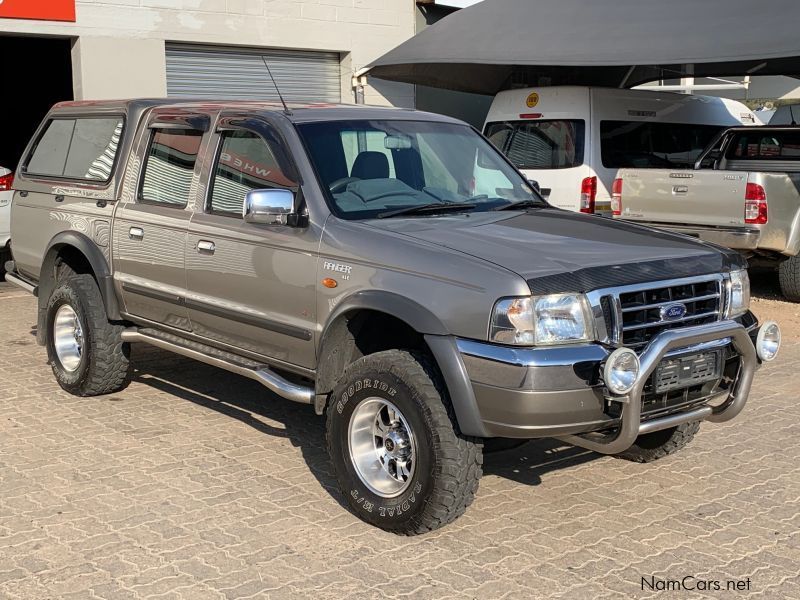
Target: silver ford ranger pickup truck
{"x": 389, "y": 268}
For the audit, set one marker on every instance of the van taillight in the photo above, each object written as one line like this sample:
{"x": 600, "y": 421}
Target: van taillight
{"x": 588, "y": 194}
{"x": 616, "y": 197}
{"x": 755, "y": 204}
{"x": 6, "y": 181}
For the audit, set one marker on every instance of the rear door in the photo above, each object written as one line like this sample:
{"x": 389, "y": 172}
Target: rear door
{"x": 548, "y": 151}
{"x": 151, "y": 223}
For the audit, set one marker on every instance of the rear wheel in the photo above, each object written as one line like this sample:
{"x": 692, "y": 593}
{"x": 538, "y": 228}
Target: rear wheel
{"x": 652, "y": 446}
{"x": 789, "y": 276}
{"x": 395, "y": 447}
{"x": 86, "y": 351}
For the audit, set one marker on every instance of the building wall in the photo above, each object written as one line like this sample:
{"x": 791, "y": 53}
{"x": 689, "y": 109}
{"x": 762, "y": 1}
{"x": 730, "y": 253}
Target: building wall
{"x": 119, "y": 44}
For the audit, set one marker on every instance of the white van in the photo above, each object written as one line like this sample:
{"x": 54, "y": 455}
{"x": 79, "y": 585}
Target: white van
{"x": 572, "y": 140}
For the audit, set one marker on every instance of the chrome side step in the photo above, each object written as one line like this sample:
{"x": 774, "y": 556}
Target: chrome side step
{"x": 223, "y": 360}
{"x": 21, "y": 283}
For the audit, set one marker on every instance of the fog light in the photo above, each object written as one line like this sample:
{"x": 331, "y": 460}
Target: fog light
{"x": 768, "y": 341}
{"x": 621, "y": 371}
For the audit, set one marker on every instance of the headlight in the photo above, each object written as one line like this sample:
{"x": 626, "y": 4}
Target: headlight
{"x": 739, "y": 299}
{"x": 542, "y": 320}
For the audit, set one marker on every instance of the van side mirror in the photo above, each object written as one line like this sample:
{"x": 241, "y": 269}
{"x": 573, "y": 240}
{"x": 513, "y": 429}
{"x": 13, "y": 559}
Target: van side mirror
{"x": 268, "y": 207}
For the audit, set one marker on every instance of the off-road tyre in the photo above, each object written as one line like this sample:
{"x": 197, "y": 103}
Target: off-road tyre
{"x": 652, "y": 446}
{"x": 448, "y": 465}
{"x": 789, "y": 277}
{"x": 105, "y": 365}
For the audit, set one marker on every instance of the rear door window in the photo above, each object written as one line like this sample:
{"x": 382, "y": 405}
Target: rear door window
{"x": 169, "y": 168}
{"x": 81, "y": 148}
{"x": 757, "y": 145}
{"x": 648, "y": 145}
{"x": 540, "y": 144}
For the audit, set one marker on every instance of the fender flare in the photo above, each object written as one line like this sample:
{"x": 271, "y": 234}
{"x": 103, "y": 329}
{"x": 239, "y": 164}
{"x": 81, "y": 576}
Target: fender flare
{"x": 333, "y": 359}
{"x": 97, "y": 260}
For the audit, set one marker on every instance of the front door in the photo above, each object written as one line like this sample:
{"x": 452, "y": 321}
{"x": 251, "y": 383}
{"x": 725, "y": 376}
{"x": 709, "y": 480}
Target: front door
{"x": 151, "y": 224}
{"x": 251, "y": 287}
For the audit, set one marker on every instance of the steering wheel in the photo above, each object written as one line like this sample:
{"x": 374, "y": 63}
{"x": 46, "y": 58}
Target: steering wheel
{"x": 340, "y": 184}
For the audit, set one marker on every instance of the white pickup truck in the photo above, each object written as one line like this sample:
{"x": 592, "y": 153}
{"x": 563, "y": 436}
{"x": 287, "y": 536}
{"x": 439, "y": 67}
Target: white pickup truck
{"x": 743, "y": 193}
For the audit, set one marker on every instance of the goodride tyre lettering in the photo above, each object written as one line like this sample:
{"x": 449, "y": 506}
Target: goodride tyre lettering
{"x": 395, "y": 448}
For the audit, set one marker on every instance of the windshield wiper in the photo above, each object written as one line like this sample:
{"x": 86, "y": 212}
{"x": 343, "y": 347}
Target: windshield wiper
{"x": 521, "y": 204}
{"x": 433, "y": 207}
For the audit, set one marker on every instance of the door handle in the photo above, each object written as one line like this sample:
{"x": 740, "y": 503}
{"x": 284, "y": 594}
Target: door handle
{"x": 206, "y": 247}
{"x": 59, "y": 198}
{"x": 136, "y": 233}
{"x": 680, "y": 189}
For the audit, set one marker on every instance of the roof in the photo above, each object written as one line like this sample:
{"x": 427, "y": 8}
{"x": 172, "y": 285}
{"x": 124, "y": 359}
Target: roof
{"x": 300, "y": 113}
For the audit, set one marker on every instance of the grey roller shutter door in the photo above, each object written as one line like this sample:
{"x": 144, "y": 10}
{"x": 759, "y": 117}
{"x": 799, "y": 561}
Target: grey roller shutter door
{"x": 195, "y": 71}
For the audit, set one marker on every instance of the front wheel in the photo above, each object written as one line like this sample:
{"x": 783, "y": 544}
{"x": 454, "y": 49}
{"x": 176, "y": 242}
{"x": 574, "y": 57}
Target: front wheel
{"x": 395, "y": 446}
{"x": 652, "y": 446}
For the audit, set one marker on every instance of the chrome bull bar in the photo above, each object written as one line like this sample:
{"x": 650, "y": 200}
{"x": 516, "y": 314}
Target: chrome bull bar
{"x": 631, "y": 426}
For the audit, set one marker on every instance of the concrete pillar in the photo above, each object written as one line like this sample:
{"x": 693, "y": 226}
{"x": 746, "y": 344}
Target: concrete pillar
{"x": 105, "y": 68}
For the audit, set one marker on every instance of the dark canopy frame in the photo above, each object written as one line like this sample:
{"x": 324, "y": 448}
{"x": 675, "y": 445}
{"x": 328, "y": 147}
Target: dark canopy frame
{"x": 500, "y": 44}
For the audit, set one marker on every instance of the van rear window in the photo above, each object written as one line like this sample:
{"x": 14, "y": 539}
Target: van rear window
{"x": 81, "y": 148}
{"x": 758, "y": 145}
{"x": 648, "y": 145}
{"x": 540, "y": 144}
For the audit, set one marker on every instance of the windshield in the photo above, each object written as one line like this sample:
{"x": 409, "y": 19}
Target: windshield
{"x": 550, "y": 144}
{"x": 374, "y": 167}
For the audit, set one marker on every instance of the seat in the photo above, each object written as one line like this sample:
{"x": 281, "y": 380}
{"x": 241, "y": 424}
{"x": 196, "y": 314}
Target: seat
{"x": 371, "y": 165}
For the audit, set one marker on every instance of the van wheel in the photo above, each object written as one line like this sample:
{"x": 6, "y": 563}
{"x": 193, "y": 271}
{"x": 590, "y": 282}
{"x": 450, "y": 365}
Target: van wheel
{"x": 395, "y": 447}
{"x": 789, "y": 277}
{"x": 86, "y": 352}
{"x": 652, "y": 446}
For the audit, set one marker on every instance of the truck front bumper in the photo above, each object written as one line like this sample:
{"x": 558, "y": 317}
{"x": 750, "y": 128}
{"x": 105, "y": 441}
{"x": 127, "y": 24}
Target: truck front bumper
{"x": 559, "y": 392}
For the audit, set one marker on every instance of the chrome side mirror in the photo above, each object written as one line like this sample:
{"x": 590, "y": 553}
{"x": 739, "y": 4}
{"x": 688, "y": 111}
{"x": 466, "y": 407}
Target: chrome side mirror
{"x": 268, "y": 207}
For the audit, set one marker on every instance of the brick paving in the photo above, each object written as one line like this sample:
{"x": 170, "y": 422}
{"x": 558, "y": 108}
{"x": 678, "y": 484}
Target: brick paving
{"x": 196, "y": 484}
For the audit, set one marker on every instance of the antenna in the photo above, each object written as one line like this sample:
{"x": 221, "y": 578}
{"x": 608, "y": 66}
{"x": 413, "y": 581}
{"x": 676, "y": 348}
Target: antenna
{"x": 277, "y": 89}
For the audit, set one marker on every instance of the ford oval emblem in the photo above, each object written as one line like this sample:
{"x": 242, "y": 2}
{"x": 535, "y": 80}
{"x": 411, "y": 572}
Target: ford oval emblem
{"x": 672, "y": 312}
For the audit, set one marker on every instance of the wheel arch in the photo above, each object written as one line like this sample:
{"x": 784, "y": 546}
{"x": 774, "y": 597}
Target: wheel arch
{"x": 80, "y": 253}
{"x": 344, "y": 340}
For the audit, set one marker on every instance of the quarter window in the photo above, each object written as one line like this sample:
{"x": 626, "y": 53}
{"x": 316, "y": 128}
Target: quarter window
{"x": 82, "y": 148}
{"x": 246, "y": 162}
{"x": 169, "y": 169}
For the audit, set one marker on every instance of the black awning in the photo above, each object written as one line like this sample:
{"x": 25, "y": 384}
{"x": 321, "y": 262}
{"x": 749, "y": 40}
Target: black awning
{"x": 500, "y": 44}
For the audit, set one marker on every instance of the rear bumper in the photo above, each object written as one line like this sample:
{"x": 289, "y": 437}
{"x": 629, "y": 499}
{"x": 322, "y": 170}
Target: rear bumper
{"x": 736, "y": 238}
{"x": 558, "y": 392}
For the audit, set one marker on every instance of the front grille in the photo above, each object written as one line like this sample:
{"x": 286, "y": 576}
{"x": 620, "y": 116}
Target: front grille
{"x": 641, "y": 312}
